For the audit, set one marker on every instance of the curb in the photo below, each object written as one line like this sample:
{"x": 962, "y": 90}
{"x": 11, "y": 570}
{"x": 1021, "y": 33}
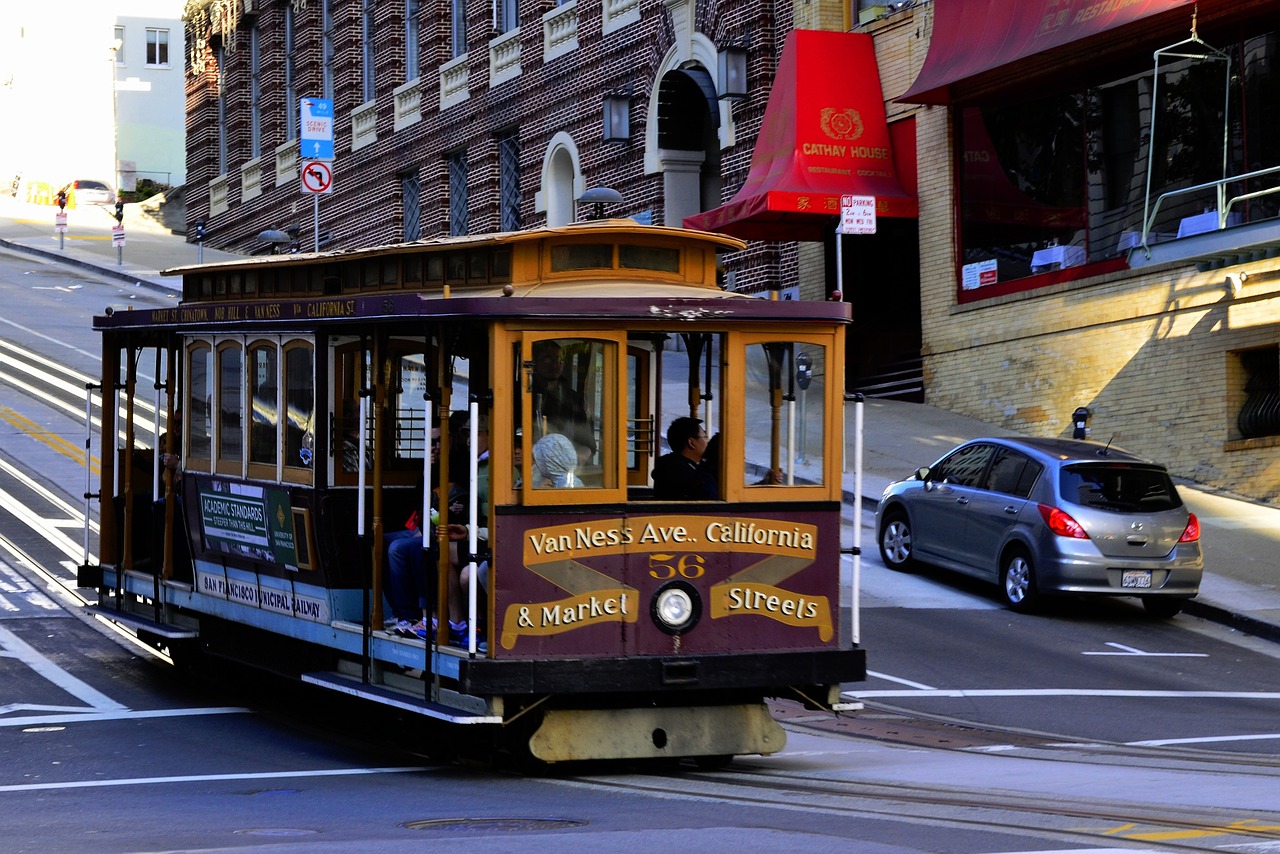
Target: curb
{"x": 122, "y": 275}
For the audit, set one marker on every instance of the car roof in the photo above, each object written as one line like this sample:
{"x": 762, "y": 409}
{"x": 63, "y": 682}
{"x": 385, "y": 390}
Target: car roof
{"x": 1067, "y": 450}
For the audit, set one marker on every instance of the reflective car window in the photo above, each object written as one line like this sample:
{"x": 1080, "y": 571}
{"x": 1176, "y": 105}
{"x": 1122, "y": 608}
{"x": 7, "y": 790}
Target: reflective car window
{"x": 964, "y": 467}
{"x": 1119, "y": 487}
{"x": 1011, "y": 473}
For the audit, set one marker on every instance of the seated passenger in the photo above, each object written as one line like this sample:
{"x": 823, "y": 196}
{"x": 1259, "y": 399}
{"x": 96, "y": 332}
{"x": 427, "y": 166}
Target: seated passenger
{"x": 679, "y": 475}
{"x": 554, "y": 461}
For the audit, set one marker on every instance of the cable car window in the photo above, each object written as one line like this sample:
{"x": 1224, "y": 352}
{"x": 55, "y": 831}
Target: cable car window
{"x": 457, "y": 264}
{"x": 299, "y": 396}
{"x": 785, "y": 387}
{"x": 660, "y": 258}
{"x": 581, "y": 256}
{"x": 230, "y": 414}
{"x": 570, "y": 387}
{"x": 199, "y": 406}
{"x": 435, "y": 268}
{"x": 501, "y": 260}
{"x": 264, "y": 397}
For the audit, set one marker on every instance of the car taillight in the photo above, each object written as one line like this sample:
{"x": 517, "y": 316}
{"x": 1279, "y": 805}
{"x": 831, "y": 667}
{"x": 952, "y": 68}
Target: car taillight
{"x": 1061, "y": 523}
{"x": 1191, "y": 533}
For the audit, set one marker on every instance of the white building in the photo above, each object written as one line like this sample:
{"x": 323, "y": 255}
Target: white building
{"x": 93, "y": 89}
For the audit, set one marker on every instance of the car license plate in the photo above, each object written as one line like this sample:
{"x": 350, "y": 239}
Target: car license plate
{"x": 1136, "y": 578}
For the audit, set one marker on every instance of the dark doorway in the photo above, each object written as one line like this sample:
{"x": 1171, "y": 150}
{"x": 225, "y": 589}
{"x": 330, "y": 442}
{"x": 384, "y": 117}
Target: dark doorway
{"x": 882, "y": 281}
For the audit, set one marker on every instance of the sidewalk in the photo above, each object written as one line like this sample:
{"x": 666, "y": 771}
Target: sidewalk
{"x": 1241, "y": 539}
{"x": 149, "y": 247}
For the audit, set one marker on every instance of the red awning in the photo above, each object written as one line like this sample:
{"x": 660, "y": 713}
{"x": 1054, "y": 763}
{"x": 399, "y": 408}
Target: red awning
{"x": 971, "y": 37}
{"x": 823, "y": 135}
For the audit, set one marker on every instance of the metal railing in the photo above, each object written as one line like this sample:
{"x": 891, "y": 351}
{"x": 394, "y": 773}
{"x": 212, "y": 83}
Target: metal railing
{"x": 1224, "y": 204}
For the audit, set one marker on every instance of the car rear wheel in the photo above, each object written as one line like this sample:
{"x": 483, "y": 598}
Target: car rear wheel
{"x": 1163, "y": 607}
{"x": 1018, "y": 581}
{"x": 895, "y": 541}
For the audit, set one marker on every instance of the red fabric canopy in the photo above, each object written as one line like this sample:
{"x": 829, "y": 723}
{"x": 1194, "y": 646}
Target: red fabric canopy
{"x": 823, "y": 135}
{"x": 971, "y": 37}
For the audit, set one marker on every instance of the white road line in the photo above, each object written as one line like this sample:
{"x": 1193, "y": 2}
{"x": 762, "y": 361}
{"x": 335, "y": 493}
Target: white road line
{"x": 1130, "y": 650}
{"x": 885, "y": 676}
{"x": 75, "y": 514}
{"x": 55, "y": 674}
{"x": 49, "y": 533}
{"x": 212, "y": 778}
{"x": 122, "y": 715}
{"x": 961, "y": 693}
{"x": 1207, "y": 739}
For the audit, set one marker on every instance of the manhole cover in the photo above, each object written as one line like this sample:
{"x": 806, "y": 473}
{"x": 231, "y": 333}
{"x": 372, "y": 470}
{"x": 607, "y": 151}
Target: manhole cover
{"x": 508, "y": 824}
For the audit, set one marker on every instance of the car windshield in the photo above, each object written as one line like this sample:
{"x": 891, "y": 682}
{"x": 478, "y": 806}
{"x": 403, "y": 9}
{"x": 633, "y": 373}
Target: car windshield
{"x": 1119, "y": 487}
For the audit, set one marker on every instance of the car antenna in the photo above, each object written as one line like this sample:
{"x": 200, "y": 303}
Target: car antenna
{"x": 1106, "y": 449}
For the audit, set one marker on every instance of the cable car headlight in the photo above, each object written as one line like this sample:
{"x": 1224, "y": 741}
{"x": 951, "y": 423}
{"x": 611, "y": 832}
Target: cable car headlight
{"x": 676, "y": 607}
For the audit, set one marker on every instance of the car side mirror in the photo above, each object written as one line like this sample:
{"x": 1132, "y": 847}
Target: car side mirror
{"x": 922, "y": 473}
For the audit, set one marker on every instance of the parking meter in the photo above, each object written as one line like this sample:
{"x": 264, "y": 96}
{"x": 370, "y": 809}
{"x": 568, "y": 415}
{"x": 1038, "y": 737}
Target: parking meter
{"x": 62, "y": 199}
{"x": 120, "y": 212}
{"x": 804, "y": 370}
{"x": 1080, "y": 420}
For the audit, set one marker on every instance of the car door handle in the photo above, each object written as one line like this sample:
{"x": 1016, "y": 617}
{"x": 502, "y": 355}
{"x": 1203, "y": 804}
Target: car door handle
{"x": 1011, "y": 510}
{"x": 962, "y": 500}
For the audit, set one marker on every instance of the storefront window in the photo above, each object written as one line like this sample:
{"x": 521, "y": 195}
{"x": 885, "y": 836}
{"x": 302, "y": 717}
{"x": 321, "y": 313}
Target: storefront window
{"x": 1060, "y": 182}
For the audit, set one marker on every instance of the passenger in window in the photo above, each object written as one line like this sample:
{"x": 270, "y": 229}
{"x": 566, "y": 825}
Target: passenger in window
{"x": 554, "y": 460}
{"x": 678, "y": 475}
{"x": 558, "y": 407}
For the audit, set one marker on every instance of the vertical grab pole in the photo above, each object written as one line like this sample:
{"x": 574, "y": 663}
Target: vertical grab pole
{"x": 361, "y": 538}
{"x": 473, "y": 523}
{"x": 857, "y": 517}
{"x": 88, "y": 464}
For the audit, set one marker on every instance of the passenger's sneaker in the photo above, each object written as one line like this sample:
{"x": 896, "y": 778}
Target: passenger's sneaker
{"x": 420, "y": 629}
{"x": 404, "y": 628}
{"x": 458, "y": 633}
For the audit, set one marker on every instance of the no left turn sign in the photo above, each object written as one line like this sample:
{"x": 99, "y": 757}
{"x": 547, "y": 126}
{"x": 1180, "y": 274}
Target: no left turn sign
{"x": 317, "y": 176}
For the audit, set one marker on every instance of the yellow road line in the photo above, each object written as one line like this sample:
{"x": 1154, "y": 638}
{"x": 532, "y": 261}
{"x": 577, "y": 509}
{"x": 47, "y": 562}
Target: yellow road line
{"x": 53, "y": 440}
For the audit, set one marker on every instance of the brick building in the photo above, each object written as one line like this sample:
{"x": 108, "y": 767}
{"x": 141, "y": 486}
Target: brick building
{"x": 1061, "y": 265}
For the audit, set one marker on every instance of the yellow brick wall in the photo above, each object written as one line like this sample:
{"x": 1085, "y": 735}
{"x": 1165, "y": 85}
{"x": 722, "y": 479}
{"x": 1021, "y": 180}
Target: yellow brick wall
{"x": 1150, "y": 351}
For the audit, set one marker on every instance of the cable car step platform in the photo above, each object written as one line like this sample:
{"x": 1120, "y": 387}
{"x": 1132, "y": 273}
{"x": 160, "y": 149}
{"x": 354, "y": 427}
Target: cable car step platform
{"x": 354, "y": 687}
{"x": 146, "y": 629}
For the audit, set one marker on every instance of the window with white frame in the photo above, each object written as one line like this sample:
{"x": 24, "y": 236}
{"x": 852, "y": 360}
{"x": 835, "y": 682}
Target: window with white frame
{"x": 290, "y": 77}
{"x": 509, "y": 181}
{"x": 255, "y": 92}
{"x": 411, "y": 50}
{"x": 157, "y": 47}
{"x": 504, "y": 16}
{"x": 119, "y": 45}
{"x": 458, "y": 27}
{"x": 367, "y": 39}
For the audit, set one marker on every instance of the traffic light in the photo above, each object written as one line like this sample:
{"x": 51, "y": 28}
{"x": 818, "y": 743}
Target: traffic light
{"x": 120, "y": 212}
{"x": 197, "y": 230}
{"x": 62, "y": 199}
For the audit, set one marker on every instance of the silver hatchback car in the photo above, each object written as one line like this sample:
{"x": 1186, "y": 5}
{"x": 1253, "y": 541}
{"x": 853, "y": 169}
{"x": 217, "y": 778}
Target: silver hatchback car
{"x": 1047, "y": 516}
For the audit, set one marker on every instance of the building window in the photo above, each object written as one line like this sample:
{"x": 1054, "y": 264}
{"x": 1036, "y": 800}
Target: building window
{"x": 367, "y": 41}
{"x": 411, "y": 204}
{"x": 457, "y": 192}
{"x": 504, "y": 16}
{"x": 411, "y": 50}
{"x": 458, "y": 29}
{"x": 291, "y": 100}
{"x": 157, "y": 48}
{"x": 221, "y": 130}
{"x": 118, "y": 45}
{"x": 1260, "y": 414}
{"x": 327, "y": 53}
{"x": 1060, "y": 180}
{"x": 255, "y": 92}
{"x": 509, "y": 181}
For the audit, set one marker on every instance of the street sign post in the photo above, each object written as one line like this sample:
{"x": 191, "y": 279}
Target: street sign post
{"x": 316, "y": 137}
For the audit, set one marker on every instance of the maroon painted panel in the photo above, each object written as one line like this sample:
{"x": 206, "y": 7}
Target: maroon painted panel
{"x": 582, "y": 584}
